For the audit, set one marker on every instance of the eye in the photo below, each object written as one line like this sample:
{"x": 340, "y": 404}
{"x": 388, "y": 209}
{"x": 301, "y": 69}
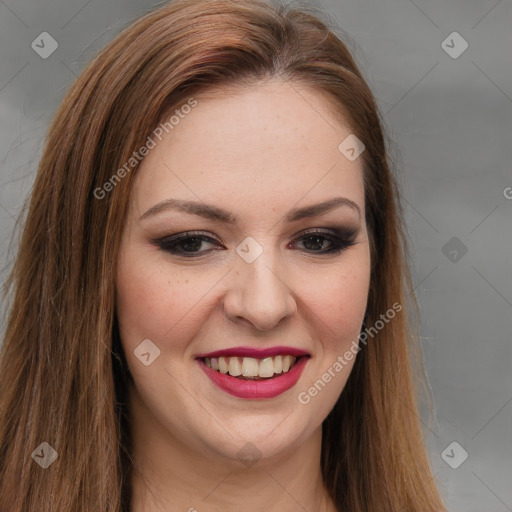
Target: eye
{"x": 188, "y": 244}
{"x": 338, "y": 239}
{"x": 185, "y": 244}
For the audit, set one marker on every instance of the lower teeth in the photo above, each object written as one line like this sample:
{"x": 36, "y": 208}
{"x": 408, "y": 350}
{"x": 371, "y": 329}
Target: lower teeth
{"x": 254, "y": 378}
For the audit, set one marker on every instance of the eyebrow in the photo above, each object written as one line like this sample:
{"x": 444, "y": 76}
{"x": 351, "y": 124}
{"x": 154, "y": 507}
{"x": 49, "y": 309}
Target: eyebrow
{"x": 219, "y": 214}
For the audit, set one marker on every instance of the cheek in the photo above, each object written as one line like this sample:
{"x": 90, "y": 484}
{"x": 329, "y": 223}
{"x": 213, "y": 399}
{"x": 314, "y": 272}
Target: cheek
{"x": 150, "y": 302}
{"x": 339, "y": 305}
{"x": 338, "y": 308}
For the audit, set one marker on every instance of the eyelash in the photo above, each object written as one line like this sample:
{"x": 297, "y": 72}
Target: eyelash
{"x": 340, "y": 240}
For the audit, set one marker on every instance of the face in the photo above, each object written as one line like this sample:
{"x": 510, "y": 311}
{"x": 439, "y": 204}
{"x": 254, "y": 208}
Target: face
{"x": 251, "y": 270}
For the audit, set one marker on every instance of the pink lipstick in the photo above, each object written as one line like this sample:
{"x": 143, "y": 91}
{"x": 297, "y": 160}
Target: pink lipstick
{"x": 258, "y": 353}
{"x": 253, "y": 386}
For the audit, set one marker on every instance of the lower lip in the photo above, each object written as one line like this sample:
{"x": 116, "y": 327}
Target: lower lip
{"x": 268, "y": 388}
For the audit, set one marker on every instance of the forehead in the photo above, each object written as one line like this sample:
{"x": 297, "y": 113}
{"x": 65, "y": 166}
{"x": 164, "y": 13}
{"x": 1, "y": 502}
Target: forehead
{"x": 270, "y": 144}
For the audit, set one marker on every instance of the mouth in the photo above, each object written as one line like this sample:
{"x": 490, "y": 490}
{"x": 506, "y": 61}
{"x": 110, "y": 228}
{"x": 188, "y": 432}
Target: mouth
{"x": 251, "y": 368}
{"x": 250, "y": 373}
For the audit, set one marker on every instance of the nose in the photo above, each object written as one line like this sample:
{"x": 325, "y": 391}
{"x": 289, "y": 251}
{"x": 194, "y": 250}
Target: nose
{"x": 258, "y": 294}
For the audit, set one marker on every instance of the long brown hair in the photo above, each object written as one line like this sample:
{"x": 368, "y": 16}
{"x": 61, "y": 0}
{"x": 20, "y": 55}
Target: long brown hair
{"x": 63, "y": 374}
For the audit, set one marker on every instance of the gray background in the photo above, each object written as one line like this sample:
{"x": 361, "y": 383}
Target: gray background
{"x": 450, "y": 120}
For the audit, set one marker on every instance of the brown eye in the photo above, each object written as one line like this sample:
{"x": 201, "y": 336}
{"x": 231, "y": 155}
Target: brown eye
{"x": 337, "y": 240}
{"x": 185, "y": 244}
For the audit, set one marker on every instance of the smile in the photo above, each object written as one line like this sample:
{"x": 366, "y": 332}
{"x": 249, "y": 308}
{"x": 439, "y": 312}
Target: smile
{"x": 252, "y": 373}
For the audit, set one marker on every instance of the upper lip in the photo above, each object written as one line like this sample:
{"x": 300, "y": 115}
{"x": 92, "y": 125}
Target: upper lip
{"x": 257, "y": 353}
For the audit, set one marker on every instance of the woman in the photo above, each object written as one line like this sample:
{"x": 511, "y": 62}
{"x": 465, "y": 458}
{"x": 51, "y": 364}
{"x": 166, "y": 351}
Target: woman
{"x": 269, "y": 370}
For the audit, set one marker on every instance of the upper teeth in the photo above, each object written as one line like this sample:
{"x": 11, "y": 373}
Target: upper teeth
{"x": 251, "y": 367}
